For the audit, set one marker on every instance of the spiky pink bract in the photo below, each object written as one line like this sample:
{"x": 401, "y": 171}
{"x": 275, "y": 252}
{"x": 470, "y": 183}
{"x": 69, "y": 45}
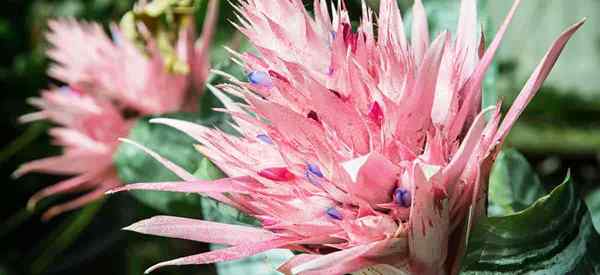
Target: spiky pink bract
{"x": 89, "y": 129}
{"x": 107, "y": 79}
{"x": 366, "y": 149}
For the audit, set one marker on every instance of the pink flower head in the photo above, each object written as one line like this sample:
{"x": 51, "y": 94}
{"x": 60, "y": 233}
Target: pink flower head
{"x": 87, "y": 58}
{"x": 366, "y": 149}
{"x": 88, "y": 131}
{"x": 107, "y": 78}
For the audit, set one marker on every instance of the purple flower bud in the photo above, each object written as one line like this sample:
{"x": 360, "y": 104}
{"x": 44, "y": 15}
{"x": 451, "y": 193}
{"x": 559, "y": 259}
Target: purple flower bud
{"x": 314, "y": 169}
{"x": 402, "y": 197}
{"x": 117, "y": 38}
{"x": 260, "y": 78}
{"x": 66, "y": 90}
{"x": 264, "y": 138}
{"x": 311, "y": 178}
{"x": 333, "y": 213}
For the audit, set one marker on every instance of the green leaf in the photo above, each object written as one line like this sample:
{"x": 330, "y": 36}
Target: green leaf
{"x": 33, "y": 132}
{"x": 208, "y": 171}
{"x": 63, "y": 237}
{"x": 513, "y": 184}
{"x": 134, "y": 166}
{"x": 593, "y": 202}
{"x": 553, "y": 236}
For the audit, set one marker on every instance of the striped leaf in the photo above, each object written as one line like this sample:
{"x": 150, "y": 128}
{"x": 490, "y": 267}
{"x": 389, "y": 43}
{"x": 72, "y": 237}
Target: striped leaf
{"x": 553, "y": 236}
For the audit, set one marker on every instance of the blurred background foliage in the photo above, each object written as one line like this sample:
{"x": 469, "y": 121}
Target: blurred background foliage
{"x": 88, "y": 241}
{"x": 559, "y": 131}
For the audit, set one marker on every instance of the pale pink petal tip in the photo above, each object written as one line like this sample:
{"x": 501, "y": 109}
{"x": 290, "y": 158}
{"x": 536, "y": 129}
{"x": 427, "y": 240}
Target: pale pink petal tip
{"x": 138, "y": 226}
{"x": 534, "y": 83}
{"x": 115, "y": 190}
{"x": 200, "y": 230}
{"x": 225, "y": 254}
{"x": 17, "y": 173}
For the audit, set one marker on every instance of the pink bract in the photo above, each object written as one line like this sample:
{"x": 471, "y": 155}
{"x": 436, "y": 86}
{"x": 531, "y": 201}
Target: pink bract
{"x": 106, "y": 80}
{"x": 360, "y": 148}
{"x": 88, "y": 132}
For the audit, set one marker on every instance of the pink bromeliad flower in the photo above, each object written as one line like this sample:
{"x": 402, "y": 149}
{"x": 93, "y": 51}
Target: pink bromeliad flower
{"x": 89, "y": 129}
{"x": 115, "y": 67}
{"x": 362, "y": 149}
{"x": 106, "y": 79}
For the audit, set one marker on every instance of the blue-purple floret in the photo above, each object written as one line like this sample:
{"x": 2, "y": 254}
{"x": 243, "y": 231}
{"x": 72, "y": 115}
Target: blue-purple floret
{"x": 260, "y": 78}
{"x": 333, "y": 213}
{"x": 402, "y": 197}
